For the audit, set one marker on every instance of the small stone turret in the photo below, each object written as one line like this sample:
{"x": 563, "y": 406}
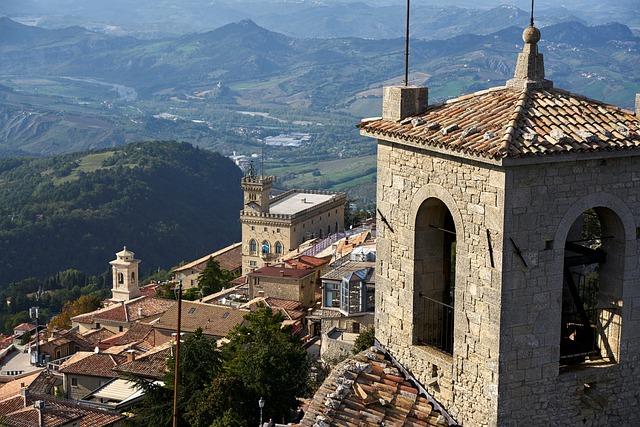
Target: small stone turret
{"x": 125, "y": 276}
{"x": 400, "y": 102}
{"x": 530, "y": 65}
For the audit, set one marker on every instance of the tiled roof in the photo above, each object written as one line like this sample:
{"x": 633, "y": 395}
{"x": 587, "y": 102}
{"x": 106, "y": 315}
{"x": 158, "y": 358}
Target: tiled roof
{"x": 136, "y": 333}
{"x": 368, "y": 390}
{"x": 282, "y": 271}
{"x": 129, "y": 311}
{"x": 307, "y": 261}
{"x": 229, "y": 258}
{"x": 14, "y": 386}
{"x": 214, "y": 320}
{"x": 94, "y": 336}
{"x": 57, "y": 412}
{"x": 45, "y": 383}
{"x": 94, "y": 365}
{"x": 24, "y": 327}
{"x": 152, "y": 364}
{"x": 515, "y": 122}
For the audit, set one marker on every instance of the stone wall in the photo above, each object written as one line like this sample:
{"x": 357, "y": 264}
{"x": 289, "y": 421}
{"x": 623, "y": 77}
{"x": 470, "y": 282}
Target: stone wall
{"x": 542, "y": 202}
{"x": 466, "y": 383}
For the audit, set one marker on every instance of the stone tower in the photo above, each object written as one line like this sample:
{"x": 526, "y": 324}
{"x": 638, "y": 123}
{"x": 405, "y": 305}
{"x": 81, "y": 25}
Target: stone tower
{"x": 124, "y": 270}
{"x": 507, "y": 270}
{"x": 257, "y": 190}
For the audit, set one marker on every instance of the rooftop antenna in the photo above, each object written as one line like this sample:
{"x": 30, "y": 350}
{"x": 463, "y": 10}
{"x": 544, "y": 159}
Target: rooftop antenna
{"x": 532, "y": 6}
{"x": 406, "y": 46}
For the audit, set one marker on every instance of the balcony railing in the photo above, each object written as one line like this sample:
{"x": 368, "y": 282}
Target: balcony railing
{"x": 434, "y": 323}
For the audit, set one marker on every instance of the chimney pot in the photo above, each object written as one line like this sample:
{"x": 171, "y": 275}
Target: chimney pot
{"x": 400, "y": 102}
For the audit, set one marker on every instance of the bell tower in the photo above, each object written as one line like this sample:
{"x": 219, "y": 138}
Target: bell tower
{"x": 124, "y": 270}
{"x": 507, "y": 278}
{"x": 257, "y": 190}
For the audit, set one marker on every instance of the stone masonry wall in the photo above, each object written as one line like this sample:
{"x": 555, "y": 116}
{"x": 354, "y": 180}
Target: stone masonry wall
{"x": 467, "y": 382}
{"x": 541, "y": 202}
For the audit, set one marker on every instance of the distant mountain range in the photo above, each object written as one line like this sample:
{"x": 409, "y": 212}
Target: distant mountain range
{"x": 433, "y": 19}
{"x": 166, "y": 201}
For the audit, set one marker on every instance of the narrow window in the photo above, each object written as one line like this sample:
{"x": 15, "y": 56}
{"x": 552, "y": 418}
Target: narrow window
{"x": 278, "y": 248}
{"x": 434, "y": 276}
{"x": 266, "y": 248}
{"x": 253, "y": 247}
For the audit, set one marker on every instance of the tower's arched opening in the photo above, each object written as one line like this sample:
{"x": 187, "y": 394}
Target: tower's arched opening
{"x": 434, "y": 276}
{"x": 592, "y": 289}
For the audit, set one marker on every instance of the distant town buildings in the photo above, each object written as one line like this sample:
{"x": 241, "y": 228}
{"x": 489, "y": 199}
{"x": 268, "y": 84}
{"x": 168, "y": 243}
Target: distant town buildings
{"x": 275, "y": 226}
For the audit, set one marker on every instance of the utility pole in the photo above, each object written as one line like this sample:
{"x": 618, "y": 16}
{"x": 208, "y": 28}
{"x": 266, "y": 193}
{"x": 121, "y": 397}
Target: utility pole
{"x": 176, "y": 367}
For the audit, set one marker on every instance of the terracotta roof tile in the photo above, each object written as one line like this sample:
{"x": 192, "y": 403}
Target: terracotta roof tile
{"x": 136, "y": 333}
{"x": 214, "y": 320}
{"x": 282, "y": 271}
{"x": 129, "y": 311}
{"x": 229, "y": 258}
{"x": 94, "y": 365}
{"x": 508, "y": 122}
{"x": 368, "y": 390}
{"x": 152, "y": 364}
{"x": 94, "y": 336}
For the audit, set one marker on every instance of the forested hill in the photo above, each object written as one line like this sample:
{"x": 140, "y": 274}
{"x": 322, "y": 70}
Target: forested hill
{"x": 166, "y": 201}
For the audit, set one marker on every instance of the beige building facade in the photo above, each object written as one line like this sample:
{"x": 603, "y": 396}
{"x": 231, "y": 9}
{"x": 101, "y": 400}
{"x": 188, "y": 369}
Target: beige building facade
{"x": 274, "y": 226}
{"x": 497, "y": 211}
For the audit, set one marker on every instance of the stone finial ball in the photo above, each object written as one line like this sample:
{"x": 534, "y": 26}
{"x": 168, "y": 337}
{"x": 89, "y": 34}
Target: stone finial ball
{"x": 531, "y": 35}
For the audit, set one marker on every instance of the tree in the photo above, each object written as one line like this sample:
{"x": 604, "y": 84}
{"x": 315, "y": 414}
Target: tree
{"x": 199, "y": 365}
{"x": 213, "y": 278}
{"x": 364, "y": 340}
{"x": 269, "y": 362}
{"x": 83, "y": 304}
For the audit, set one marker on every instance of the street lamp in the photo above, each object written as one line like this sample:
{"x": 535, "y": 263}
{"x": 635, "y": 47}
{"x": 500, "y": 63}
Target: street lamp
{"x": 261, "y": 405}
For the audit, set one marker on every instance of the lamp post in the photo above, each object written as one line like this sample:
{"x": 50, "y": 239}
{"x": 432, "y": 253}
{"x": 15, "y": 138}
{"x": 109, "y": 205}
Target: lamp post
{"x": 261, "y": 405}
{"x": 176, "y": 366}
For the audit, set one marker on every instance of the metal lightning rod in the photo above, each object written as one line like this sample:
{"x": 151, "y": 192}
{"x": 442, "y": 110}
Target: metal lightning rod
{"x": 406, "y": 46}
{"x": 532, "y": 6}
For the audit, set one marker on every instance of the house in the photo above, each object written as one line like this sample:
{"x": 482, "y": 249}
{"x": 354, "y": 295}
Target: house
{"x": 229, "y": 258}
{"x": 84, "y": 372}
{"x": 117, "y": 395}
{"x": 26, "y": 408}
{"x": 62, "y": 345}
{"x": 275, "y": 226}
{"x": 284, "y": 283}
{"x": 489, "y": 298}
{"x": 151, "y": 365}
{"x": 23, "y": 328}
{"x": 120, "y": 316}
{"x": 215, "y": 321}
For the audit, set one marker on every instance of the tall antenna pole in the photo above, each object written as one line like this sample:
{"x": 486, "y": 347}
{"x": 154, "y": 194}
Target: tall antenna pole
{"x": 262, "y": 160}
{"x": 406, "y": 46}
{"x": 532, "y": 6}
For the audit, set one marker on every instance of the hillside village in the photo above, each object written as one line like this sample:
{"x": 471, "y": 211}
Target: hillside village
{"x": 500, "y": 278}
{"x": 295, "y": 258}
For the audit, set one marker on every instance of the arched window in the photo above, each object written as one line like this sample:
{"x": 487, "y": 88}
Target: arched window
{"x": 592, "y": 289}
{"x": 278, "y": 248}
{"x": 120, "y": 278}
{"x": 434, "y": 276}
{"x": 133, "y": 276}
{"x": 253, "y": 247}
{"x": 266, "y": 247}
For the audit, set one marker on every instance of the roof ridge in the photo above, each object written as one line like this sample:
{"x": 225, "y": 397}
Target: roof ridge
{"x": 511, "y": 127}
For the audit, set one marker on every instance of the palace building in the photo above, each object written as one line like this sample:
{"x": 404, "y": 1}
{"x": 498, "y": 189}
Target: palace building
{"x": 507, "y": 276}
{"x": 274, "y": 226}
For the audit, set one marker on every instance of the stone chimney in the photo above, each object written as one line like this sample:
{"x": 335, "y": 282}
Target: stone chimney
{"x": 530, "y": 65}
{"x": 638, "y": 104}
{"x": 131, "y": 355}
{"x": 23, "y": 393}
{"x": 40, "y": 405}
{"x": 400, "y": 102}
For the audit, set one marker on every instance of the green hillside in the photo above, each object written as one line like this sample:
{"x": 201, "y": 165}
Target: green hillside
{"x": 166, "y": 201}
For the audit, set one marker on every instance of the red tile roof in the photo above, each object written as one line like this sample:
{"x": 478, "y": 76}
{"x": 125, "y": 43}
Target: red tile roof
{"x": 136, "y": 333}
{"x": 214, "y": 320}
{"x": 275, "y": 271}
{"x": 24, "y": 327}
{"x": 95, "y": 365}
{"x": 510, "y": 122}
{"x": 152, "y": 364}
{"x": 229, "y": 258}
{"x": 307, "y": 261}
{"x": 369, "y": 390}
{"x": 94, "y": 336}
{"x": 129, "y": 311}
{"x": 57, "y": 412}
